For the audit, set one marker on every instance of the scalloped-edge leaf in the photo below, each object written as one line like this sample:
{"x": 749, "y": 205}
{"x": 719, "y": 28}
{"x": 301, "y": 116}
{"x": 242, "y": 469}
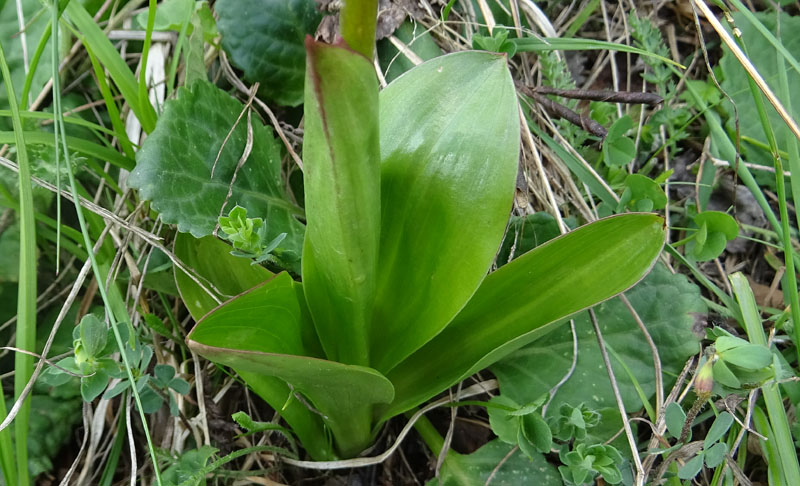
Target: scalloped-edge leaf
{"x": 174, "y": 166}
{"x": 265, "y": 39}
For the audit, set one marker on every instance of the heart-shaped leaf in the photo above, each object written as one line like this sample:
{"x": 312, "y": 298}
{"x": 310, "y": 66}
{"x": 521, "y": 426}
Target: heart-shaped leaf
{"x": 513, "y": 305}
{"x": 268, "y": 332}
{"x": 175, "y": 164}
{"x": 342, "y": 188}
{"x": 265, "y": 39}
{"x": 454, "y": 148}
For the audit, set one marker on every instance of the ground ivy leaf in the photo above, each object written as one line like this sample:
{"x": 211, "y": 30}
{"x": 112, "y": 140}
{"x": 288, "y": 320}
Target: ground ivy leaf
{"x": 173, "y": 167}
{"x": 665, "y": 302}
{"x": 474, "y": 469}
{"x": 266, "y": 40}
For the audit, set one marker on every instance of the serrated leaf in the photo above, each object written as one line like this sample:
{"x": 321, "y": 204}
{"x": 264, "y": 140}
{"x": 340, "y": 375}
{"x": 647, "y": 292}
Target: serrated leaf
{"x": 474, "y": 469}
{"x": 265, "y": 39}
{"x": 174, "y": 165}
{"x": 666, "y": 303}
{"x": 675, "y": 417}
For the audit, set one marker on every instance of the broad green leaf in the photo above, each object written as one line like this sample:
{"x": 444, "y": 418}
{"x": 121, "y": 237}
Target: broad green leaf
{"x": 724, "y": 375}
{"x": 268, "y": 331}
{"x": 750, "y": 357}
{"x": 666, "y": 303}
{"x": 220, "y": 273}
{"x": 515, "y": 304}
{"x": 474, "y": 469}
{"x": 342, "y": 187}
{"x": 535, "y": 435}
{"x": 265, "y": 39}
{"x": 719, "y": 222}
{"x": 447, "y": 183}
{"x": 174, "y": 167}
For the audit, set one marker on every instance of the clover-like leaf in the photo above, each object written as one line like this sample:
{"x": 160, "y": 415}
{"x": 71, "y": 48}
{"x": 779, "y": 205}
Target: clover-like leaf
{"x": 715, "y": 229}
{"x": 618, "y": 149}
{"x": 675, "y": 418}
{"x": 721, "y": 425}
{"x": 692, "y": 467}
{"x": 642, "y": 194}
{"x": 185, "y": 171}
{"x": 265, "y": 39}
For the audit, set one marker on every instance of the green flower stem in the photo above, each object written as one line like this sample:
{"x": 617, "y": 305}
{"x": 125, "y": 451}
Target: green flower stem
{"x": 358, "y": 21}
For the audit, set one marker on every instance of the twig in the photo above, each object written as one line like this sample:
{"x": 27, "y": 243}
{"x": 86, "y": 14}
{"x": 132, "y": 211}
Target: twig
{"x": 621, "y": 406}
{"x": 561, "y": 111}
{"x": 630, "y": 97}
{"x": 653, "y": 350}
